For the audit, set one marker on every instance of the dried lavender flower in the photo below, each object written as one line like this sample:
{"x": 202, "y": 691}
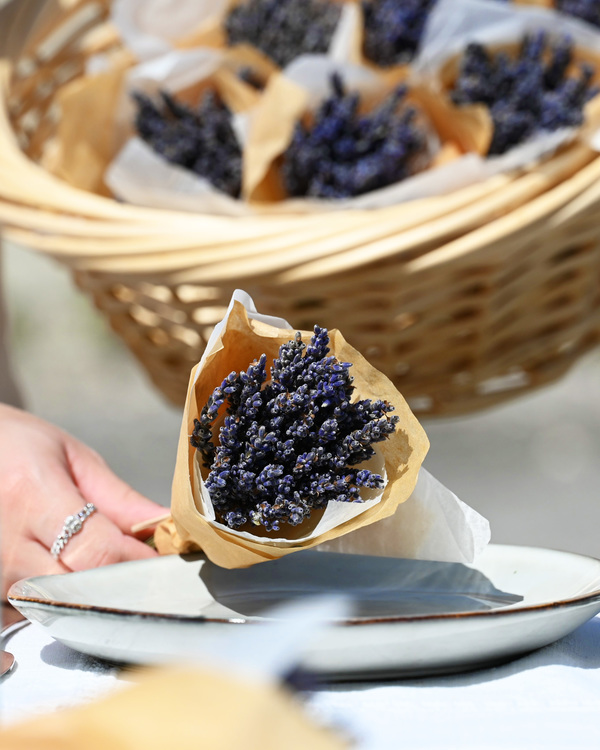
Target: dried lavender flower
{"x": 527, "y": 94}
{"x": 345, "y": 153}
{"x": 283, "y": 29}
{"x": 587, "y": 10}
{"x": 202, "y": 140}
{"x": 393, "y": 29}
{"x": 290, "y": 444}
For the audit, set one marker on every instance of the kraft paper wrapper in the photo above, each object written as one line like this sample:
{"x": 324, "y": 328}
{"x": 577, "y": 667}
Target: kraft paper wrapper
{"x": 183, "y": 709}
{"x": 151, "y": 28}
{"x": 282, "y": 105}
{"x": 86, "y": 138}
{"x": 242, "y": 341}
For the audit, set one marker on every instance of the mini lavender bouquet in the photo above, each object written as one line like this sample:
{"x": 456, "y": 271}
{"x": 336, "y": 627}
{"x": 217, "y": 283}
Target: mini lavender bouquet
{"x": 201, "y": 139}
{"x": 339, "y": 136}
{"x": 538, "y": 89}
{"x": 288, "y": 440}
{"x": 289, "y": 446}
{"x": 529, "y": 71}
{"x": 344, "y": 152}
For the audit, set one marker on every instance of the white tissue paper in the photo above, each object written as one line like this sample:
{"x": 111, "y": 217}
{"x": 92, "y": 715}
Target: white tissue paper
{"x": 150, "y": 28}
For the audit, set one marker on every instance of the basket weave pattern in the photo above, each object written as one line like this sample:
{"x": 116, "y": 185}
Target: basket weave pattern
{"x": 462, "y": 300}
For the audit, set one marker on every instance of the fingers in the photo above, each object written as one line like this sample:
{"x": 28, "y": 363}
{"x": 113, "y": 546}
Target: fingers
{"x": 133, "y": 549}
{"x": 102, "y": 544}
{"x": 50, "y": 501}
{"x": 99, "y": 542}
{"x": 45, "y": 476}
{"x": 99, "y": 485}
{"x": 28, "y": 558}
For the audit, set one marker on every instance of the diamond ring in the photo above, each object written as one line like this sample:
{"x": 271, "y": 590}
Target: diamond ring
{"x": 72, "y": 525}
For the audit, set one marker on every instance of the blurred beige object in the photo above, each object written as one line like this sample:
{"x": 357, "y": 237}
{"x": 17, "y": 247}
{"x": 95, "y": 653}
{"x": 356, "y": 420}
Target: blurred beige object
{"x": 463, "y": 300}
{"x": 179, "y": 708}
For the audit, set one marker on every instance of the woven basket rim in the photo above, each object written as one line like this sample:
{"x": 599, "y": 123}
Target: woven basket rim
{"x": 80, "y": 227}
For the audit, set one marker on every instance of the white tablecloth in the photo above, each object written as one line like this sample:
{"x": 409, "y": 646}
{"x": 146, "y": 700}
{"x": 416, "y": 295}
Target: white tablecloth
{"x": 549, "y": 699}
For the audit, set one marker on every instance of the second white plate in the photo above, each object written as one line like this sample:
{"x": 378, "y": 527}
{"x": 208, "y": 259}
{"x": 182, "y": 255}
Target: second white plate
{"x": 409, "y": 617}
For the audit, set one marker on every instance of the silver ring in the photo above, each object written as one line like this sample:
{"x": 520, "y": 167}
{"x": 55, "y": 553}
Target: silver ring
{"x": 71, "y": 526}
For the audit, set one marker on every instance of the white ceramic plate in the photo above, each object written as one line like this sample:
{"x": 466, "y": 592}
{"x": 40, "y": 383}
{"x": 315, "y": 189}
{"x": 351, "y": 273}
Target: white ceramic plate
{"x": 409, "y": 617}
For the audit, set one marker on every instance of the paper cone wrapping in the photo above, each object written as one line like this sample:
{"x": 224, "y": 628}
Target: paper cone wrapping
{"x": 239, "y": 341}
{"x": 433, "y": 524}
{"x": 437, "y": 525}
{"x": 151, "y": 28}
{"x": 80, "y": 154}
{"x": 106, "y": 156}
{"x": 139, "y": 175}
{"x": 179, "y": 708}
{"x": 296, "y": 93}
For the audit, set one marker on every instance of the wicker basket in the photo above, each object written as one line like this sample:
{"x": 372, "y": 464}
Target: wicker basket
{"x": 463, "y": 300}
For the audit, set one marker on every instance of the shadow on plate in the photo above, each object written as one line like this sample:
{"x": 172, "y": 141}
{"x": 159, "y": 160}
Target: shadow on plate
{"x": 377, "y": 586}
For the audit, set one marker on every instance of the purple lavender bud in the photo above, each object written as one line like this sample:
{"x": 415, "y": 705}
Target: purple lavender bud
{"x": 289, "y": 446}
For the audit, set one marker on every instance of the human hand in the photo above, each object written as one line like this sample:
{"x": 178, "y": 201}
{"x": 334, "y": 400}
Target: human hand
{"x": 47, "y": 475}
